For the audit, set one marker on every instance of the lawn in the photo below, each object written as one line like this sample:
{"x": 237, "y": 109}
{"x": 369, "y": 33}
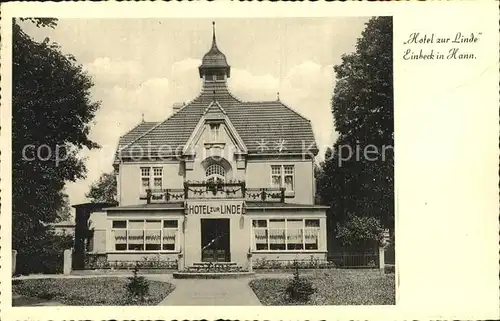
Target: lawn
{"x": 333, "y": 287}
{"x": 87, "y": 291}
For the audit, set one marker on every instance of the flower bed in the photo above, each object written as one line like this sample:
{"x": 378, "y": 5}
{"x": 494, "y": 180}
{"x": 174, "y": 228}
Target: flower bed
{"x": 88, "y": 291}
{"x": 333, "y": 287}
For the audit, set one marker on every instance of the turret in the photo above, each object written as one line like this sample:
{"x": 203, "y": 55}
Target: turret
{"x": 214, "y": 66}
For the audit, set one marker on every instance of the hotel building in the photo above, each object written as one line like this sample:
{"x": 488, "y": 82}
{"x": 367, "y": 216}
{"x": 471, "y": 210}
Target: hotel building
{"x": 219, "y": 180}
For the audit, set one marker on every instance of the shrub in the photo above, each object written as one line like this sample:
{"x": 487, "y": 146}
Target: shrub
{"x": 359, "y": 232}
{"x": 137, "y": 287}
{"x": 95, "y": 261}
{"x": 299, "y": 289}
{"x": 389, "y": 269}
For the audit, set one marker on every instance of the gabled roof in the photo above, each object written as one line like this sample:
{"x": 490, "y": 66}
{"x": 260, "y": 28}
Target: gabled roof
{"x": 135, "y": 133}
{"x": 267, "y": 127}
{"x": 214, "y": 111}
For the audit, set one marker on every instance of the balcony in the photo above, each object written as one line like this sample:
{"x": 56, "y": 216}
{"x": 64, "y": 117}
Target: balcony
{"x": 163, "y": 196}
{"x": 214, "y": 190}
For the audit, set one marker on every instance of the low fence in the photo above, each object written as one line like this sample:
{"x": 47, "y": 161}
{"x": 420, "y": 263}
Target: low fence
{"x": 355, "y": 260}
{"x": 265, "y": 264}
{"x": 342, "y": 261}
{"x": 99, "y": 261}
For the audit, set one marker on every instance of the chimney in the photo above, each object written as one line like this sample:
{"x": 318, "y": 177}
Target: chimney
{"x": 177, "y": 106}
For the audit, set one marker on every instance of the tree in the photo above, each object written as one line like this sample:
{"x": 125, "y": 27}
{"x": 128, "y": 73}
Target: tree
{"x": 64, "y": 212}
{"x": 51, "y": 115}
{"x": 356, "y": 183}
{"x": 104, "y": 190}
{"x": 363, "y": 102}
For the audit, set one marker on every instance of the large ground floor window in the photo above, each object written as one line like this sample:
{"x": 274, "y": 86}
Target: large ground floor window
{"x": 285, "y": 234}
{"x": 145, "y": 235}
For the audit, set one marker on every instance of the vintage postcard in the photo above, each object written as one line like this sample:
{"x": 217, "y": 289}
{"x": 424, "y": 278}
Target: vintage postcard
{"x": 336, "y": 159}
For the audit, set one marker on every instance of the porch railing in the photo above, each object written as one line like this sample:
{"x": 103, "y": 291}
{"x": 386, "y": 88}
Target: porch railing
{"x": 207, "y": 189}
{"x": 265, "y": 194}
{"x": 164, "y": 195}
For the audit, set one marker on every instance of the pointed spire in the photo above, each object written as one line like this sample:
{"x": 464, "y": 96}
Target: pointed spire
{"x": 214, "y": 59}
{"x": 214, "y": 42}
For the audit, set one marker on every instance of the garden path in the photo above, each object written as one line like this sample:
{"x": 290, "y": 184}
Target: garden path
{"x": 211, "y": 292}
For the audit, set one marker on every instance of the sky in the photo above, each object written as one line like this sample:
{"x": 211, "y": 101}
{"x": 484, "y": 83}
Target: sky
{"x": 141, "y": 67}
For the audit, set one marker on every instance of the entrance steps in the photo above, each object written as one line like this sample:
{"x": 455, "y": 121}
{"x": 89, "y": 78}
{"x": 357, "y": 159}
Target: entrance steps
{"x": 213, "y": 270}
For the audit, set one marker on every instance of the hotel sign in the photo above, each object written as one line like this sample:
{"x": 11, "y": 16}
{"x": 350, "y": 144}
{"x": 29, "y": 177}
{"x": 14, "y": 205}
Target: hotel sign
{"x": 214, "y": 207}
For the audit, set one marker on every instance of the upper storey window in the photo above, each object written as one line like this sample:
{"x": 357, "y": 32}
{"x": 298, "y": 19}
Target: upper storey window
{"x": 214, "y": 132}
{"x": 145, "y": 178}
{"x": 215, "y": 172}
{"x": 282, "y": 176}
{"x": 151, "y": 177}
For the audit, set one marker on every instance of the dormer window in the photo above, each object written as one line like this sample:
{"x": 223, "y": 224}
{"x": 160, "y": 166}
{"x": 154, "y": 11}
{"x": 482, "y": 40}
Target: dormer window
{"x": 214, "y": 132}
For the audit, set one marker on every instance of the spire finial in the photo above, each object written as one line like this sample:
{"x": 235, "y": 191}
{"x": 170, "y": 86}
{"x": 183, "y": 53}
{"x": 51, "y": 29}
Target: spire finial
{"x": 213, "y": 32}
{"x": 278, "y": 96}
{"x": 143, "y": 117}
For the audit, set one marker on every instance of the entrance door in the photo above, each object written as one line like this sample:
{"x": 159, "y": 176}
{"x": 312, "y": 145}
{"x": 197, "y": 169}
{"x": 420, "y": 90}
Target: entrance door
{"x": 215, "y": 240}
